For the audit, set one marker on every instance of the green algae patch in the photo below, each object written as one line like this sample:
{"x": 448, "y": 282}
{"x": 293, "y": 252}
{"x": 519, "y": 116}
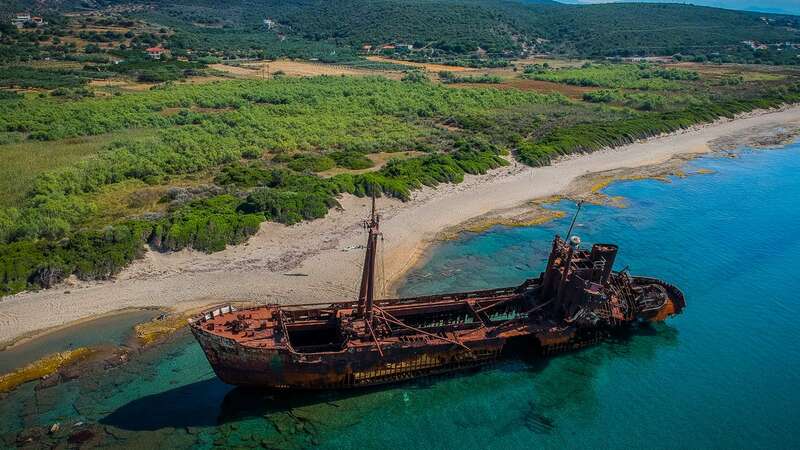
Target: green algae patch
{"x": 535, "y": 218}
{"x": 526, "y": 216}
{"x": 603, "y": 182}
{"x": 42, "y": 368}
{"x": 590, "y": 188}
{"x": 159, "y": 328}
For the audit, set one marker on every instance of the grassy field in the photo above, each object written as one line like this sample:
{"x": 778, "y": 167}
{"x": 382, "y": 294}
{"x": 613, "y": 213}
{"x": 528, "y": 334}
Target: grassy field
{"x": 23, "y": 161}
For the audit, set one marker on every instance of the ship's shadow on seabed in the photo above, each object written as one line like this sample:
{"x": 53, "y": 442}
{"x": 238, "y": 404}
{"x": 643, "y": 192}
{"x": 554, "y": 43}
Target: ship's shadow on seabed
{"x": 211, "y": 402}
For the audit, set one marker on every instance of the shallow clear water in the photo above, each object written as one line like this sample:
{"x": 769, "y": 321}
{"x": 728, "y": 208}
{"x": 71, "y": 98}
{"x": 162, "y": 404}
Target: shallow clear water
{"x": 722, "y": 375}
{"x": 115, "y": 329}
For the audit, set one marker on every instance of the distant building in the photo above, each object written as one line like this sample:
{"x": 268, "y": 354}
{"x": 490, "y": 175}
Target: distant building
{"x": 155, "y": 52}
{"x": 755, "y": 45}
{"x": 269, "y": 23}
{"x": 21, "y": 19}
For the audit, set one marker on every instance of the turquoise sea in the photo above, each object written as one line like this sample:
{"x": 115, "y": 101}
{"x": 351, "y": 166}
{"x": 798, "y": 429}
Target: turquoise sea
{"x": 724, "y": 374}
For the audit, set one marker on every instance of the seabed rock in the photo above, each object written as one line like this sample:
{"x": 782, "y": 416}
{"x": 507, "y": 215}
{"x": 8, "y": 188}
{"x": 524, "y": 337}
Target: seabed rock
{"x": 81, "y": 436}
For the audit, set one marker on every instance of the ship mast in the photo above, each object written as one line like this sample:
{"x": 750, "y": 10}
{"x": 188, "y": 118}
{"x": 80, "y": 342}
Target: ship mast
{"x": 574, "y": 218}
{"x": 366, "y": 295}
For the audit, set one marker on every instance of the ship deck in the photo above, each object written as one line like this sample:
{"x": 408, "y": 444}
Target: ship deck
{"x": 324, "y": 328}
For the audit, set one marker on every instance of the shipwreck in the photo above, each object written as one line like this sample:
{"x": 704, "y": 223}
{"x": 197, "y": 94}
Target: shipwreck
{"x": 578, "y": 300}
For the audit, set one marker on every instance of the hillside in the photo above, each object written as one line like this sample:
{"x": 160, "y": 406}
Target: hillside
{"x": 334, "y": 30}
{"x": 496, "y": 27}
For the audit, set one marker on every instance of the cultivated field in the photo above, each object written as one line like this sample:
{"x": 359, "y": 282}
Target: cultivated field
{"x": 265, "y": 69}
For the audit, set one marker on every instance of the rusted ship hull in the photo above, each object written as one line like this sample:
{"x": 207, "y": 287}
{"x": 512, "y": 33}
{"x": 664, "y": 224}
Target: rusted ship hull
{"x": 281, "y": 370}
{"x": 469, "y": 344}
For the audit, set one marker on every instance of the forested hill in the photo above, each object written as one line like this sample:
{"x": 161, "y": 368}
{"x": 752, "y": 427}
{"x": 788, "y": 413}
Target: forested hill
{"x": 591, "y": 30}
{"x": 465, "y": 26}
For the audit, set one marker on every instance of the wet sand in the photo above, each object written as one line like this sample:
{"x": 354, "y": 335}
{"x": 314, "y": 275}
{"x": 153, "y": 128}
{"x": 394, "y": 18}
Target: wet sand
{"x": 321, "y": 260}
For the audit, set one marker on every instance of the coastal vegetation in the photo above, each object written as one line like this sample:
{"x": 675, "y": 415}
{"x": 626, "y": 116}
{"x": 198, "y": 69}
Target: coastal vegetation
{"x": 212, "y": 161}
{"x": 590, "y": 137}
{"x": 198, "y": 130}
{"x": 106, "y": 149}
{"x": 628, "y": 76}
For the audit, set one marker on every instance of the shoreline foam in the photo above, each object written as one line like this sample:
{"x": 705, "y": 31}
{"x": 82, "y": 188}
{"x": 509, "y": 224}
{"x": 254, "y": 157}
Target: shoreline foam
{"x": 329, "y": 250}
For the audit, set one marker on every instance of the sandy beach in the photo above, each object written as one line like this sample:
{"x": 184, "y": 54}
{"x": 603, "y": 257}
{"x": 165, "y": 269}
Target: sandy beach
{"x": 321, "y": 260}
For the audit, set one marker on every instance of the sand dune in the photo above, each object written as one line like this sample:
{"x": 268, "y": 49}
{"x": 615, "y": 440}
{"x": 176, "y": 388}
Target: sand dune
{"x": 320, "y": 260}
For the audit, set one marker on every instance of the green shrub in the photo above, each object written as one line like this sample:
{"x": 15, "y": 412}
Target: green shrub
{"x": 9, "y": 95}
{"x": 72, "y": 94}
{"x": 351, "y": 160}
{"x": 644, "y": 101}
{"x": 207, "y": 225}
{"x": 399, "y": 177}
{"x": 244, "y": 175}
{"x": 415, "y": 76}
{"x": 29, "y": 77}
{"x": 450, "y": 77}
{"x": 88, "y": 254}
{"x": 288, "y": 207}
{"x": 309, "y": 162}
{"x": 252, "y": 152}
{"x": 103, "y": 253}
{"x": 731, "y": 80}
{"x": 18, "y": 263}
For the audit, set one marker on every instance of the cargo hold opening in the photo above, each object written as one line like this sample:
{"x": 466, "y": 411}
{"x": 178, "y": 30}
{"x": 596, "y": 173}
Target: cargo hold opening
{"x": 319, "y": 336}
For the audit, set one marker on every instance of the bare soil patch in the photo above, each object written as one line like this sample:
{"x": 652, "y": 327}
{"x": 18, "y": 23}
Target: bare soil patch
{"x": 267, "y": 69}
{"x": 128, "y": 85}
{"x": 429, "y": 67}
